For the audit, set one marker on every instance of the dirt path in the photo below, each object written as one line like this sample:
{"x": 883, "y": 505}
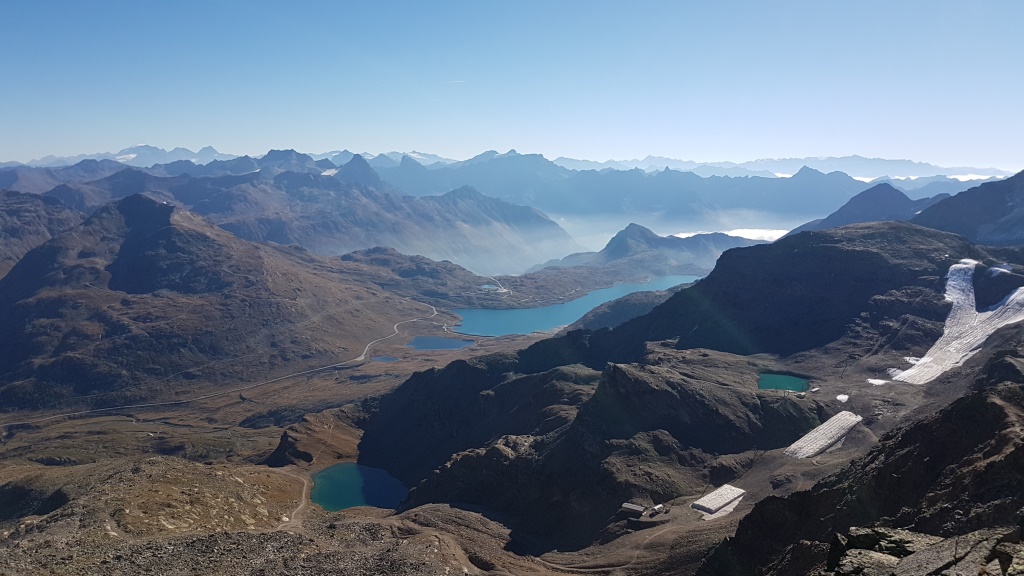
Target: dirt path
{"x": 636, "y": 556}
{"x": 294, "y": 521}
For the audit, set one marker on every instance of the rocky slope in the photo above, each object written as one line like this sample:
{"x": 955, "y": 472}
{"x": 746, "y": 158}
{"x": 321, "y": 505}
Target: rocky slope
{"x": 28, "y": 220}
{"x": 621, "y": 310}
{"x": 992, "y": 213}
{"x": 649, "y": 433}
{"x": 143, "y": 297}
{"x": 802, "y": 292}
{"x": 944, "y": 474}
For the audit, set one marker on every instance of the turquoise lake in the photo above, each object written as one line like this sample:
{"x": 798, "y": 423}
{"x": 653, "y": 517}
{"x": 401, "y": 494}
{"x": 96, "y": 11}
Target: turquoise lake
{"x": 438, "y": 343}
{"x": 768, "y": 381}
{"x": 348, "y": 485}
{"x": 486, "y": 322}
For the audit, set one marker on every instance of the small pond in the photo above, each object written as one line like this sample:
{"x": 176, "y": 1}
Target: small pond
{"x": 383, "y": 358}
{"x": 769, "y": 381}
{"x": 438, "y": 343}
{"x": 347, "y": 485}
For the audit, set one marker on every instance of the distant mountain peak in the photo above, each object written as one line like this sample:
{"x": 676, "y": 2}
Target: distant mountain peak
{"x": 808, "y": 171}
{"x": 637, "y": 232}
{"x": 281, "y": 155}
{"x": 409, "y": 161}
{"x": 358, "y": 171}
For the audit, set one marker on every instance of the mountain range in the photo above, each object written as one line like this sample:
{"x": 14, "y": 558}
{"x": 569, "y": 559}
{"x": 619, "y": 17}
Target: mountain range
{"x": 677, "y": 197}
{"x": 285, "y": 197}
{"x": 857, "y": 166}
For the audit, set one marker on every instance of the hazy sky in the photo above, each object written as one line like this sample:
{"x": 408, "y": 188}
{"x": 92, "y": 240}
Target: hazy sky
{"x": 926, "y": 80}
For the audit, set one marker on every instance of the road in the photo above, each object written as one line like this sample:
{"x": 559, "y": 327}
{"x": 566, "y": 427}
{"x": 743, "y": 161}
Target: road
{"x": 236, "y": 390}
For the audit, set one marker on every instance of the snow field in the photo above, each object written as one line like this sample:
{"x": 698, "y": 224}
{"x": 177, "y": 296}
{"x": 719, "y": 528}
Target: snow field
{"x": 966, "y": 329}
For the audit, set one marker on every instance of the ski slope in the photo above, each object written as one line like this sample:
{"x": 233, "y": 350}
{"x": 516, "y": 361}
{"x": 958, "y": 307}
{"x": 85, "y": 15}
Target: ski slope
{"x": 966, "y": 329}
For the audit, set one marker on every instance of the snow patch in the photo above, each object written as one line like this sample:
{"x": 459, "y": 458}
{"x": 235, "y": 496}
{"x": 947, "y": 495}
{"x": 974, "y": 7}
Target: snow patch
{"x": 877, "y": 382}
{"x": 966, "y": 329}
{"x": 895, "y": 373}
{"x": 330, "y": 172}
{"x": 825, "y": 436}
{"x": 915, "y": 359}
{"x": 843, "y": 397}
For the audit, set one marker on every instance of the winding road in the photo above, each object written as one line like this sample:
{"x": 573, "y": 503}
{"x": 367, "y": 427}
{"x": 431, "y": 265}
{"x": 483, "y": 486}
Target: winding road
{"x": 358, "y": 359}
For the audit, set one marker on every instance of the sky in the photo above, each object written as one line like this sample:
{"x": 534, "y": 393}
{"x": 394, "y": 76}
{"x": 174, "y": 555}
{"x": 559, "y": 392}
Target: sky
{"x": 929, "y": 80}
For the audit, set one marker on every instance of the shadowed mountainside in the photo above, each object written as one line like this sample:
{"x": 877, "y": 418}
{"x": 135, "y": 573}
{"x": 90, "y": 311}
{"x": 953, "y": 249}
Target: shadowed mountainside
{"x": 876, "y": 204}
{"x": 28, "y": 220}
{"x": 992, "y": 213}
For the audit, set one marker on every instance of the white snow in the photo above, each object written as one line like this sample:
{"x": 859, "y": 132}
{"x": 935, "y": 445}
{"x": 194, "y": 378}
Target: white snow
{"x": 915, "y": 359}
{"x": 719, "y": 499}
{"x": 877, "y": 381}
{"x": 843, "y": 397}
{"x": 330, "y": 172}
{"x": 966, "y": 329}
{"x": 821, "y": 438}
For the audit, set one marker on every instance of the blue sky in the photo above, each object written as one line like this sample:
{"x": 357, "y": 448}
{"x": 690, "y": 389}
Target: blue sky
{"x": 926, "y": 80}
